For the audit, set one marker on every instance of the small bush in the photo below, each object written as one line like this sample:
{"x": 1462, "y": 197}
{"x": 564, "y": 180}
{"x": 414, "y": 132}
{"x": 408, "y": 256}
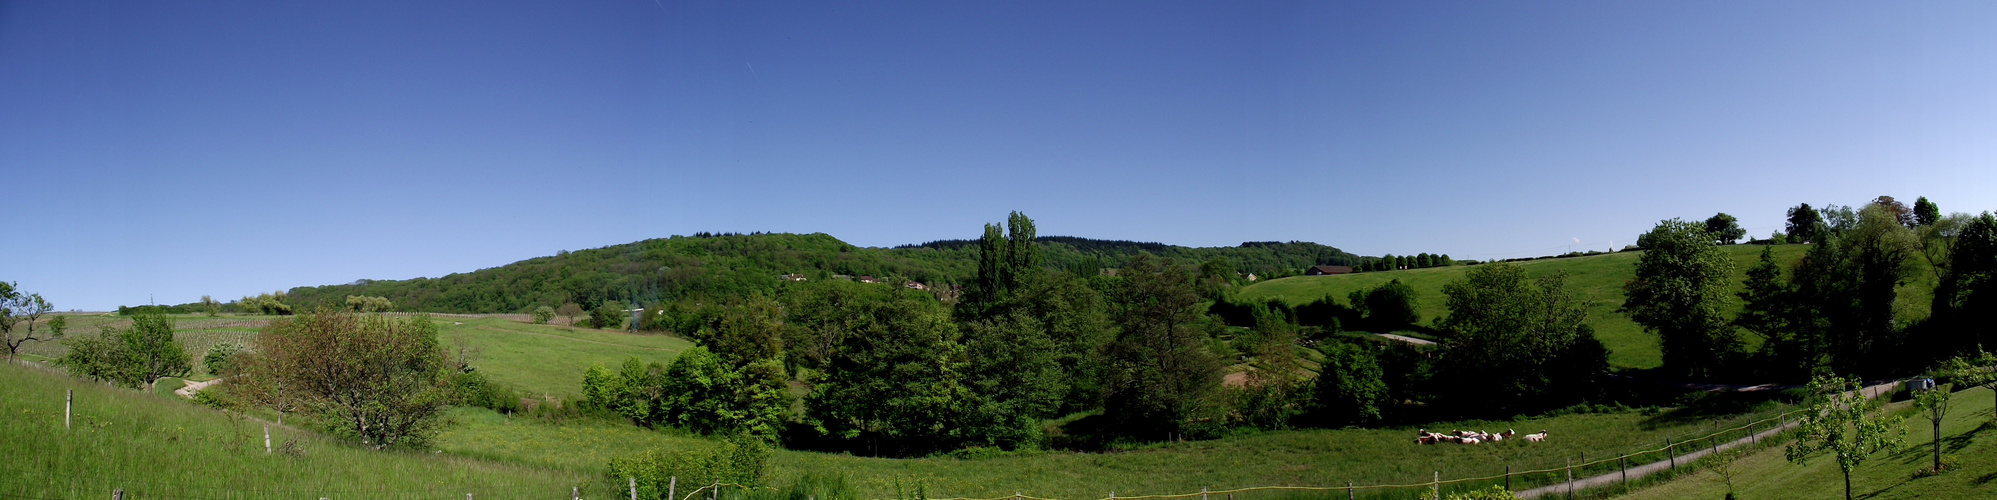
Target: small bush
{"x": 543, "y": 314}
{"x": 221, "y": 359}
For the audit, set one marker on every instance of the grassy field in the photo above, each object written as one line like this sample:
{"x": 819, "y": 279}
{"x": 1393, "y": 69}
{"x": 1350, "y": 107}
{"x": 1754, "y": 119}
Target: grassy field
{"x": 1967, "y": 434}
{"x": 1598, "y": 277}
{"x": 158, "y": 447}
{"x": 1304, "y": 457}
{"x": 550, "y": 359}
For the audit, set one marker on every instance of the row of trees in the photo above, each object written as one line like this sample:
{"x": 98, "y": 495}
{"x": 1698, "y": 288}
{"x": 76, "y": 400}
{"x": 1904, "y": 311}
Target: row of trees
{"x": 1391, "y": 262}
{"x": 1837, "y": 309}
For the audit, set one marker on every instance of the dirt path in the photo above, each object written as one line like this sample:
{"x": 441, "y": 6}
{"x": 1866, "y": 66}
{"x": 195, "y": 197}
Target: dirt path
{"x": 1640, "y": 471}
{"x": 1404, "y": 338}
{"x": 194, "y": 387}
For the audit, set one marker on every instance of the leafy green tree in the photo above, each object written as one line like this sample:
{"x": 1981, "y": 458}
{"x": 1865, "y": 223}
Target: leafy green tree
{"x": 1515, "y": 342}
{"x": 570, "y": 310}
{"x": 16, "y": 307}
{"x": 1965, "y": 298}
{"x": 1925, "y": 212}
{"x": 1350, "y": 388}
{"x": 1901, "y": 213}
{"x": 1680, "y": 294}
{"x": 376, "y": 378}
{"x": 268, "y": 303}
{"x": 893, "y": 383}
{"x": 1277, "y": 388}
{"x": 1802, "y": 223}
{"x": 210, "y": 306}
{"x": 1161, "y": 372}
{"x": 1388, "y": 307}
{"x": 543, "y": 314}
{"x": 137, "y": 356}
{"x": 608, "y": 316}
{"x": 1840, "y": 422}
{"x": 1769, "y": 308}
{"x": 1724, "y": 229}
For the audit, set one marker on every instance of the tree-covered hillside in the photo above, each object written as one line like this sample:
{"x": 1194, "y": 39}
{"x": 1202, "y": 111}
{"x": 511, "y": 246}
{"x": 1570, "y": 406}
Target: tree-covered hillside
{"x": 735, "y": 265}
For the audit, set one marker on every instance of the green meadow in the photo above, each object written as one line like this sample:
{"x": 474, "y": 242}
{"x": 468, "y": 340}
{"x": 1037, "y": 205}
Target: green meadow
{"x": 155, "y": 446}
{"x": 1600, "y": 278}
{"x": 1968, "y": 435}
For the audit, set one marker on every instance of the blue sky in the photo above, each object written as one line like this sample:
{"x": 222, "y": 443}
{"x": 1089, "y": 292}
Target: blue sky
{"x": 165, "y": 150}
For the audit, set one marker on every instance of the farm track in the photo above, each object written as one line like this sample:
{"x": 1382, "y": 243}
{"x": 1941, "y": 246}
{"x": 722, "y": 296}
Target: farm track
{"x": 1641, "y": 471}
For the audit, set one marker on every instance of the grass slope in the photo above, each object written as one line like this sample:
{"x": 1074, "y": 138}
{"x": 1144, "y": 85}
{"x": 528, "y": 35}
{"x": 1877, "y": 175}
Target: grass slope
{"x": 550, "y": 359}
{"x": 1598, "y": 277}
{"x": 155, "y": 447}
{"x": 1302, "y": 457}
{"x": 1967, "y": 433}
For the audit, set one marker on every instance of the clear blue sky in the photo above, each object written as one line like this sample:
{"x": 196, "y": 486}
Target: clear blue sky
{"x": 165, "y": 150}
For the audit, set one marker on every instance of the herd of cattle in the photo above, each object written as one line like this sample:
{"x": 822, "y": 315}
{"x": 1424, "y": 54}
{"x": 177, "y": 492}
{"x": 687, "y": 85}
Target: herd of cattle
{"x": 1474, "y": 437}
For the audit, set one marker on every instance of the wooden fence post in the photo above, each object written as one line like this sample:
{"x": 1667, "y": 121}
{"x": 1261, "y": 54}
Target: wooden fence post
{"x": 1750, "y": 433}
{"x": 673, "y": 488}
{"x": 1203, "y": 493}
{"x": 67, "y": 402}
{"x": 266, "y": 439}
{"x": 1437, "y": 485}
{"x": 118, "y": 494}
{"x": 1622, "y": 461}
{"x": 575, "y": 493}
{"x": 1508, "y": 477}
{"x": 1349, "y": 495}
{"x": 1671, "y": 450}
{"x": 634, "y": 486}
{"x": 716, "y": 494}
{"x": 1570, "y": 478}
{"x": 468, "y": 496}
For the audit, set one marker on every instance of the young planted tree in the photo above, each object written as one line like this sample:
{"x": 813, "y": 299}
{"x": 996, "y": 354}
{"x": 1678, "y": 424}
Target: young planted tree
{"x": 1973, "y": 372}
{"x": 15, "y": 308}
{"x": 1680, "y": 294}
{"x": 1933, "y": 404}
{"x": 1841, "y": 423}
{"x": 381, "y": 379}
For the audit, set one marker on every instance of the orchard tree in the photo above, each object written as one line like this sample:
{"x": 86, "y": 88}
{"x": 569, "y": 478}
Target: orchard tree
{"x": 570, "y": 310}
{"x": 137, "y": 356}
{"x": 16, "y": 308}
{"x": 1724, "y": 229}
{"x": 1933, "y": 404}
{"x": 543, "y": 314}
{"x": 1680, "y": 294}
{"x": 377, "y": 378}
{"x": 1840, "y": 422}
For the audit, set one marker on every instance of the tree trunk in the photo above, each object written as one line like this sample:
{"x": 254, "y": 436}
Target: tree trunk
{"x": 1847, "y": 483}
{"x": 1938, "y": 445}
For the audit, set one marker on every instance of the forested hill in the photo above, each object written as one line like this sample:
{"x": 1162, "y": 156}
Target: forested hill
{"x": 723, "y": 265}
